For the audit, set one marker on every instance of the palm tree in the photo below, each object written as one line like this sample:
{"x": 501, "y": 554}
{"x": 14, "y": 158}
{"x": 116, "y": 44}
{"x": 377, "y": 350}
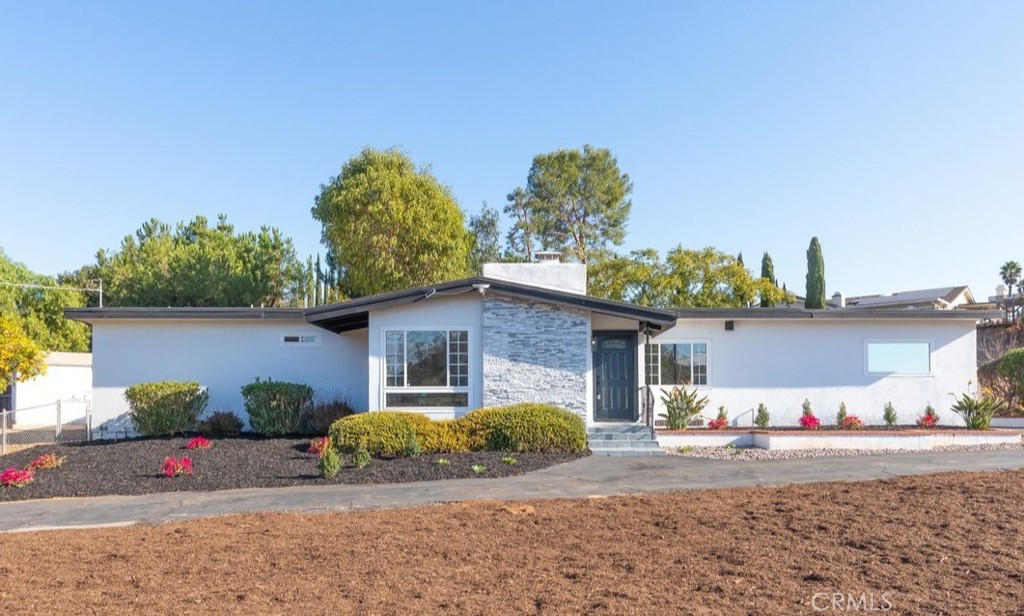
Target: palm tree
{"x": 1010, "y": 273}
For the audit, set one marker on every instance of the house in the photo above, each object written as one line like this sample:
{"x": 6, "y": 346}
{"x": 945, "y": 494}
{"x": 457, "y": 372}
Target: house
{"x": 943, "y": 298}
{"x": 60, "y": 395}
{"x": 529, "y": 332}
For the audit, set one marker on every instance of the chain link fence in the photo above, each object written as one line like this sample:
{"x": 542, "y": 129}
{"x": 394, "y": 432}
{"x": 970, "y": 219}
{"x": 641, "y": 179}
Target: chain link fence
{"x": 60, "y": 422}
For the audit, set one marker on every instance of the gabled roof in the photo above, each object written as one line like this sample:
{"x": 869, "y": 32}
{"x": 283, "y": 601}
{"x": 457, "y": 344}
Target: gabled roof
{"x": 938, "y": 296}
{"x": 354, "y": 314}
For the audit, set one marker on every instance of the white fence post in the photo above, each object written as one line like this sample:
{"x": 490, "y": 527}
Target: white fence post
{"x": 3, "y": 431}
{"x": 88, "y": 419}
{"x": 56, "y": 435}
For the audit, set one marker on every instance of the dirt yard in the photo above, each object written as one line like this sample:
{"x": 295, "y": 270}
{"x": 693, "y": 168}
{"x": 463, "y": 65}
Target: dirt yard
{"x": 943, "y": 544}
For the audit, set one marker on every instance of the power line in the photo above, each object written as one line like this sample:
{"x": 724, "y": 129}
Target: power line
{"x": 29, "y": 285}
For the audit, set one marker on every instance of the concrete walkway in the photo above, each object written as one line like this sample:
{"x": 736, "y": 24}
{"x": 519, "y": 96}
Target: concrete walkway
{"x": 592, "y": 476}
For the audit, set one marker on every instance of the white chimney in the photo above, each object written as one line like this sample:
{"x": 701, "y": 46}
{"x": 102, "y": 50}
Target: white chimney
{"x": 1000, "y": 291}
{"x": 838, "y": 300}
{"x": 548, "y": 272}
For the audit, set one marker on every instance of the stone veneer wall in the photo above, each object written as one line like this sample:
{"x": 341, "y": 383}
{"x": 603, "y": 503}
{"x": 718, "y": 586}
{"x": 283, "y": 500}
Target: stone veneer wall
{"x": 535, "y": 352}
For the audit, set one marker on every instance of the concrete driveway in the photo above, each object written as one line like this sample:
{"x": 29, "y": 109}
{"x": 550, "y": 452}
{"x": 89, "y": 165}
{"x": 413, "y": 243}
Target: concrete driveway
{"x": 592, "y": 476}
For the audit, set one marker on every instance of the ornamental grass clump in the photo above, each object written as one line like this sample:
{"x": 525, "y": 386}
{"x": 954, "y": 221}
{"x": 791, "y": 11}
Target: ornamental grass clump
{"x": 17, "y": 478}
{"x": 889, "y": 414}
{"x": 220, "y": 423}
{"x": 762, "y": 420}
{"x": 930, "y": 419}
{"x": 330, "y": 463}
{"x": 977, "y": 413}
{"x": 177, "y": 467}
{"x": 808, "y": 421}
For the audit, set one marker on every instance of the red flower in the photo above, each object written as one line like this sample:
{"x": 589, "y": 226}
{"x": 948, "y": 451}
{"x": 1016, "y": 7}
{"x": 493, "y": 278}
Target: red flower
{"x": 319, "y": 446}
{"x": 809, "y": 422}
{"x": 928, "y": 421}
{"x": 198, "y": 443}
{"x": 851, "y": 422}
{"x": 46, "y": 461}
{"x": 718, "y": 424}
{"x": 17, "y": 478}
{"x": 174, "y": 467}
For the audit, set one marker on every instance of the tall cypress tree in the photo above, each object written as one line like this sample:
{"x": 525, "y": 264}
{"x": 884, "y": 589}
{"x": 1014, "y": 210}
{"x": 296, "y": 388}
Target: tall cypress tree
{"x": 767, "y": 272}
{"x": 815, "y": 299}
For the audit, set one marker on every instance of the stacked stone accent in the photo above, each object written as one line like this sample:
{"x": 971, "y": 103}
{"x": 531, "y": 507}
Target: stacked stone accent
{"x": 535, "y": 352}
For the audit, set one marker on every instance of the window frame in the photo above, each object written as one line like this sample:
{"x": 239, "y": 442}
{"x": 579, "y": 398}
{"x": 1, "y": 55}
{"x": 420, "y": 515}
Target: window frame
{"x": 466, "y": 389}
{"x": 317, "y": 339}
{"x": 707, "y": 362}
{"x": 867, "y": 359}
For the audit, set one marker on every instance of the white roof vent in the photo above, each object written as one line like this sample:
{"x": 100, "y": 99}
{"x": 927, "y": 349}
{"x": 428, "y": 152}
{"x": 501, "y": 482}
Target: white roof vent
{"x": 549, "y": 256}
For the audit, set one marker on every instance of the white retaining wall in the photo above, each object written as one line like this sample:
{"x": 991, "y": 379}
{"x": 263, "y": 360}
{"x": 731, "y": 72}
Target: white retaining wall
{"x": 68, "y": 378}
{"x": 833, "y": 440}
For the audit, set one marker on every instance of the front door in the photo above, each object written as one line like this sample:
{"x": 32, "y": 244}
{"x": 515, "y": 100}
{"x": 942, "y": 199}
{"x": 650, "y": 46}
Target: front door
{"x": 615, "y": 390}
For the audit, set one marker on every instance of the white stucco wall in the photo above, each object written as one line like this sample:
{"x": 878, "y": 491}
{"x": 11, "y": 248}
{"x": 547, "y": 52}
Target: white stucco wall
{"x": 68, "y": 378}
{"x": 782, "y": 362}
{"x": 223, "y": 355}
{"x": 464, "y": 311}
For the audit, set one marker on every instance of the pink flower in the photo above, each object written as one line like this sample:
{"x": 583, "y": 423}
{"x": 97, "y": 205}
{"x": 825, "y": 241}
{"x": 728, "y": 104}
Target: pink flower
{"x": 319, "y": 446}
{"x": 175, "y": 467}
{"x": 809, "y": 422}
{"x": 718, "y": 424}
{"x": 17, "y": 478}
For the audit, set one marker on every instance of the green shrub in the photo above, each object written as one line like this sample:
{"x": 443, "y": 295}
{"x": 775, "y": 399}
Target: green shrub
{"x": 383, "y": 433}
{"x": 526, "y": 427}
{"x": 330, "y": 463}
{"x": 977, "y": 413}
{"x": 165, "y": 407}
{"x": 412, "y": 446}
{"x": 361, "y": 456}
{"x": 681, "y": 407}
{"x": 1003, "y": 379}
{"x": 841, "y": 415}
{"x": 443, "y": 436}
{"x": 762, "y": 419}
{"x": 275, "y": 407}
{"x": 220, "y": 423}
{"x": 322, "y": 414}
{"x": 889, "y": 414}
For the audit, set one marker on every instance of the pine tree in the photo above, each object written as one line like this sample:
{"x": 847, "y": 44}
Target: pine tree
{"x": 768, "y": 272}
{"x": 319, "y": 292}
{"x": 815, "y": 299}
{"x": 310, "y": 290}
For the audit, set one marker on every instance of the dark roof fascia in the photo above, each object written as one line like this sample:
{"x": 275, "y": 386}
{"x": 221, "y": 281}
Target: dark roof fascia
{"x": 856, "y": 314}
{"x": 657, "y": 318}
{"x": 87, "y": 315}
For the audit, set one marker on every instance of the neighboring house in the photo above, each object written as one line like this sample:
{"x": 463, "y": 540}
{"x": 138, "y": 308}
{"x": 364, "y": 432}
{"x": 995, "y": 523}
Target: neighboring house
{"x": 943, "y": 298}
{"x": 529, "y": 333}
{"x": 68, "y": 379}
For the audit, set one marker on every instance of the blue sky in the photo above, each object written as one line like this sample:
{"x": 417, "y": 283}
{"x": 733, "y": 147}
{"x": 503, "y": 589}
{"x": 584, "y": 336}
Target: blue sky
{"x": 891, "y": 130}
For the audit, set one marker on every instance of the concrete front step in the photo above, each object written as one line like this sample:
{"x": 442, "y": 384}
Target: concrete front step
{"x": 628, "y": 440}
{"x": 624, "y": 444}
{"x": 628, "y": 453}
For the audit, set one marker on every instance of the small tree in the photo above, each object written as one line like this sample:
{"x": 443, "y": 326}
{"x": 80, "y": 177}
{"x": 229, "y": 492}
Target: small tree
{"x": 768, "y": 276}
{"x": 762, "y": 419}
{"x": 20, "y": 358}
{"x": 841, "y": 415}
{"x": 889, "y": 414}
{"x": 815, "y": 299}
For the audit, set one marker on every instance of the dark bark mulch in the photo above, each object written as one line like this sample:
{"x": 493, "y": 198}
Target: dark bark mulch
{"x": 134, "y": 467}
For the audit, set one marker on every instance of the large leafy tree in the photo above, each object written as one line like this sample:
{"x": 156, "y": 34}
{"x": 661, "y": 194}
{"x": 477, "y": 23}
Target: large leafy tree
{"x": 768, "y": 273}
{"x": 705, "y": 278}
{"x": 391, "y": 225}
{"x": 578, "y": 202}
{"x": 36, "y": 304}
{"x": 20, "y": 356}
{"x": 521, "y": 235}
{"x": 815, "y": 299}
{"x": 195, "y": 264}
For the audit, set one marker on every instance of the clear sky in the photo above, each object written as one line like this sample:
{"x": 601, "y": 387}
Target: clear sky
{"x": 894, "y": 131}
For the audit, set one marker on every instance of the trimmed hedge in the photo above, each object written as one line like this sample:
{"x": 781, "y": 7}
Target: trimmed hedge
{"x": 165, "y": 407}
{"x": 519, "y": 428}
{"x": 276, "y": 407}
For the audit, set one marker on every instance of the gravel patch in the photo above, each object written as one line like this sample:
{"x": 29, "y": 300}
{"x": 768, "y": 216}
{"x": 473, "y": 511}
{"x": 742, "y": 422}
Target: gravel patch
{"x": 753, "y": 454}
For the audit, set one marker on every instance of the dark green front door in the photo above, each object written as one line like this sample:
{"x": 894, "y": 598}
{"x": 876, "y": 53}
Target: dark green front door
{"x": 615, "y": 376}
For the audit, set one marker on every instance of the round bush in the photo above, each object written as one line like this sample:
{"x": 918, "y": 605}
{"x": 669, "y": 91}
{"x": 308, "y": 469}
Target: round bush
{"x": 526, "y": 427}
{"x": 165, "y": 407}
{"x": 275, "y": 407}
{"x": 385, "y": 433}
{"x": 443, "y": 436}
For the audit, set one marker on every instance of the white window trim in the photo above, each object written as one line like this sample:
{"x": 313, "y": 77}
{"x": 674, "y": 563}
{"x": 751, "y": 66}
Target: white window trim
{"x": 691, "y": 341}
{"x": 918, "y": 375}
{"x": 384, "y": 389}
{"x": 317, "y": 339}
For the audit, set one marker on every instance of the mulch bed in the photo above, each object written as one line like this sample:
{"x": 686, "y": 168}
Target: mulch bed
{"x": 940, "y": 544}
{"x": 133, "y": 467}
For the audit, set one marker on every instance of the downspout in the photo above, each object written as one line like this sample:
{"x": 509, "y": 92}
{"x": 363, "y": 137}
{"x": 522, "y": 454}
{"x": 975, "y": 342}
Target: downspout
{"x": 648, "y": 402}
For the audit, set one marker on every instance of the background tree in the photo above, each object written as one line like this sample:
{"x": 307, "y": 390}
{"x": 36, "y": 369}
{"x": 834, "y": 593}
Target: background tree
{"x": 391, "y": 225}
{"x": 815, "y": 299}
{"x": 198, "y": 265}
{"x": 1010, "y": 273}
{"x": 486, "y": 233}
{"x": 768, "y": 273}
{"x": 520, "y": 236}
{"x": 578, "y": 201}
{"x": 20, "y": 357}
{"x": 638, "y": 278}
{"x": 38, "y": 308}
